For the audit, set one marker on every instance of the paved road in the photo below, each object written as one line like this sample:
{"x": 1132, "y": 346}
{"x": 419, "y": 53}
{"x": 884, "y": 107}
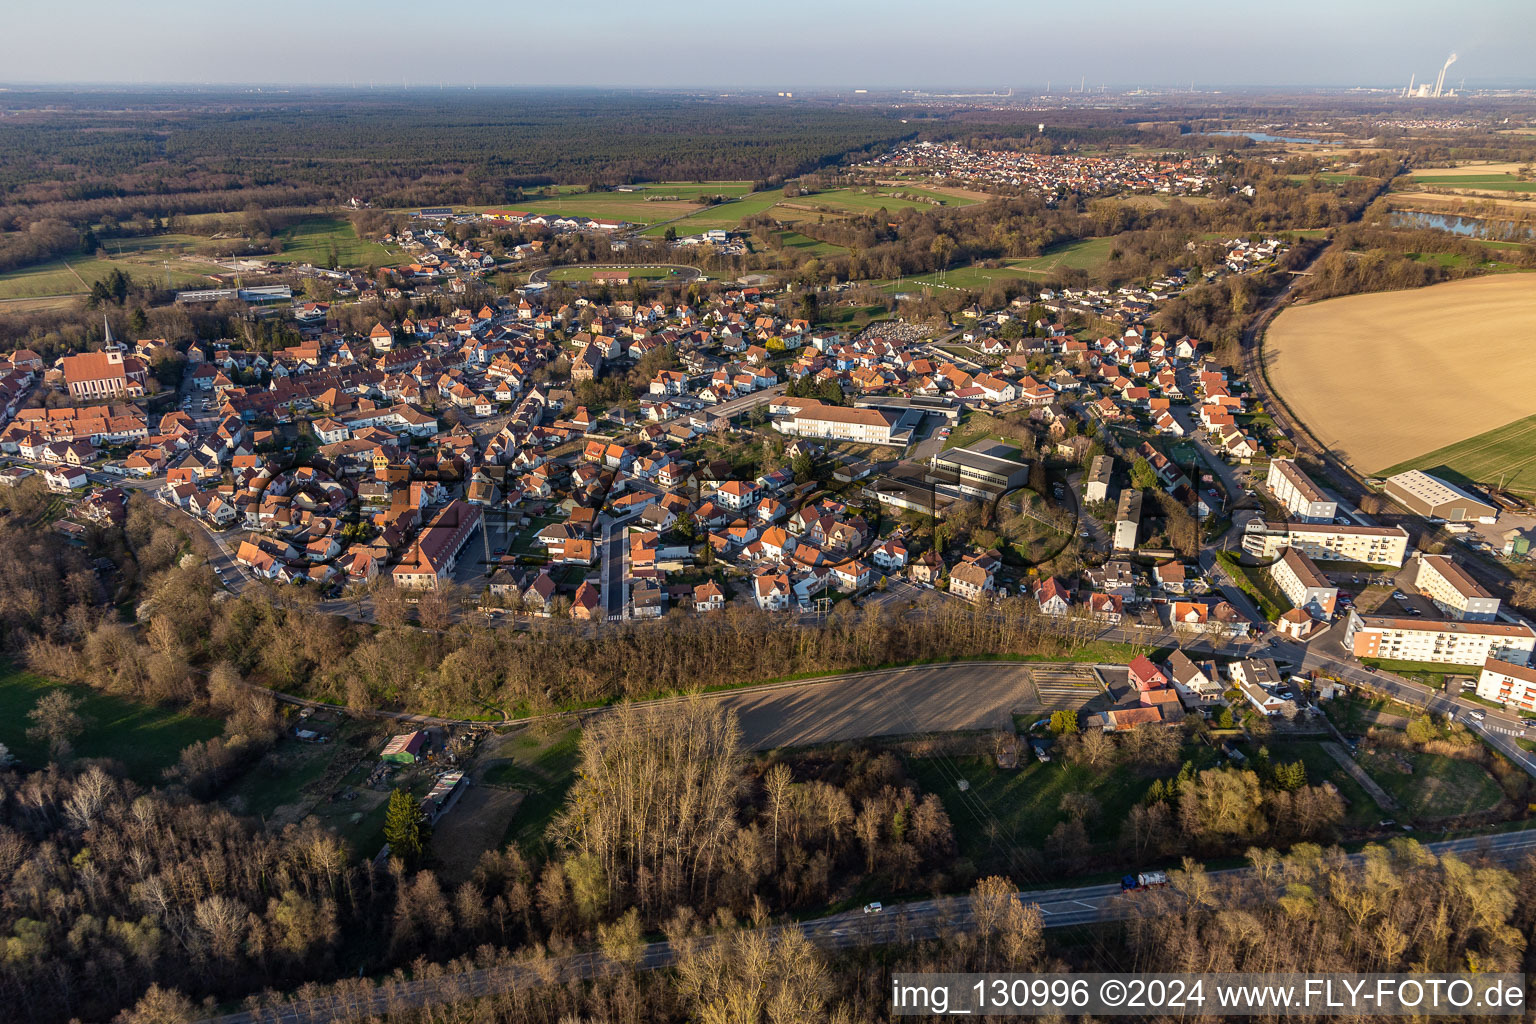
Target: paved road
{"x": 615, "y": 558}
{"x": 903, "y": 923}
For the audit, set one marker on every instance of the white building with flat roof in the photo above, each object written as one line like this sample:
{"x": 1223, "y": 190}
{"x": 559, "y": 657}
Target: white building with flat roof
{"x": 1430, "y": 496}
{"x": 1454, "y": 592}
{"x": 1300, "y": 496}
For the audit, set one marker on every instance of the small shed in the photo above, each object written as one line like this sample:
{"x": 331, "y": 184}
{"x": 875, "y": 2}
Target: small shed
{"x": 403, "y": 749}
{"x": 445, "y": 793}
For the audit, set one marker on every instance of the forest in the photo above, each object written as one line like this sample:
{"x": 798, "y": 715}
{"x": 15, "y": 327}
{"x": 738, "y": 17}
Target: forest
{"x": 69, "y": 161}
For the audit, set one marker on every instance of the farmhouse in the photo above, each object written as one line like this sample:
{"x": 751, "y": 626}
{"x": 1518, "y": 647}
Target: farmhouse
{"x": 1433, "y": 498}
{"x": 1454, "y": 592}
{"x": 1296, "y": 491}
{"x": 1450, "y": 643}
{"x": 1374, "y": 545}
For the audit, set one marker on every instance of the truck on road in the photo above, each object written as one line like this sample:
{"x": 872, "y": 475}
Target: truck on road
{"x": 1145, "y": 880}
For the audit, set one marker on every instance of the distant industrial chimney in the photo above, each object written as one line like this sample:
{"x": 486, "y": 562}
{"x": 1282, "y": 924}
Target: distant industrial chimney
{"x": 1440, "y": 82}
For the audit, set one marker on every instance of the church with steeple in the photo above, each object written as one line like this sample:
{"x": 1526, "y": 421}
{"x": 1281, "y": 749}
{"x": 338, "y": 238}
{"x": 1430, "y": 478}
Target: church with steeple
{"x": 108, "y": 373}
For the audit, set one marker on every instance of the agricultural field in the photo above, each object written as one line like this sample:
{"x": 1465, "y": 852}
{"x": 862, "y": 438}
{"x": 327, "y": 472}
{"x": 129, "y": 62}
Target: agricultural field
{"x": 145, "y": 738}
{"x": 1504, "y": 456}
{"x": 75, "y": 276}
{"x": 316, "y": 239}
{"x": 834, "y": 203}
{"x": 724, "y": 215}
{"x": 1085, "y": 254}
{"x": 1373, "y": 375}
{"x": 42, "y": 304}
{"x": 1471, "y": 167}
{"x": 1476, "y": 182}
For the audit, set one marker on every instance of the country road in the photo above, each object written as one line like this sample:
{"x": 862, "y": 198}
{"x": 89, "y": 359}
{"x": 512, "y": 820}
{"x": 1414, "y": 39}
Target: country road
{"x": 906, "y": 922}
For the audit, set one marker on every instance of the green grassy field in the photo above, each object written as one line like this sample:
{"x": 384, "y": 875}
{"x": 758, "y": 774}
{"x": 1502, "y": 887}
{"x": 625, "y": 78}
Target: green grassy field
{"x": 1503, "y": 456}
{"x": 310, "y": 241}
{"x": 964, "y": 278}
{"x": 75, "y": 277}
{"x": 834, "y": 201}
{"x": 807, "y": 246}
{"x": 1481, "y": 182}
{"x": 1084, "y": 254}
{"x": 724, "y": 215}
{"x": 1022, "y": 806}
{"x": 145, "y": 738}
{"x": 543, "y": 765}
{"x": 888, "y": 198}
{"x": 1434, "y": 786}
{"x": 1256, "y": 584}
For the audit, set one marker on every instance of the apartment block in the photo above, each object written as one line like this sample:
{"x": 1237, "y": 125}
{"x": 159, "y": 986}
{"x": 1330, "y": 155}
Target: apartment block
{"x": 1454, "y": 592}
{"x": 1096, "y": 483}
{"x": 1508, "y": 684}
{"x": 1127, "y": 519}
{"x": 1304, "y": 584}
{"x": 1300, "y": 496}
{"x": 1449, "y": 643}
{"x": 1325, "y": 542}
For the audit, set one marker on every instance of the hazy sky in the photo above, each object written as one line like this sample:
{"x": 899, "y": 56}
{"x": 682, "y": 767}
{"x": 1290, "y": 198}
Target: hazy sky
{"x": 790, "y": 44}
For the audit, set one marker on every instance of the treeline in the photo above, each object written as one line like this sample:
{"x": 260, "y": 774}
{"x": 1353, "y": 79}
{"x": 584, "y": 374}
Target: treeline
{"x": 1400, "y": 909}
{"x": 1217, "y": 311}
{"x": 399, "y": 150}
{"x": 1370, "y": 259}
{"x": 109, "y": 889}
{"x": 277, "y": 637}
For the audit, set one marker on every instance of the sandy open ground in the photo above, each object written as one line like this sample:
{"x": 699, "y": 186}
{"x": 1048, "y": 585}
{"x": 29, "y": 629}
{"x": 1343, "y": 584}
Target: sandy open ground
{"x": 1384, "y": 378}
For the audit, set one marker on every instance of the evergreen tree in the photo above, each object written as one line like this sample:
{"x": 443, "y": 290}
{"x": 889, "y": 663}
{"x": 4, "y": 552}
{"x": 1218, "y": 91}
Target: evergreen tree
{"x": 405, "y": 827}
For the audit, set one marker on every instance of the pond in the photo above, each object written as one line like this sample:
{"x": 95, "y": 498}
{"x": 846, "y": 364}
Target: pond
{"x": 1266, "y": 137}
{"x": 1470, "y": 227}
